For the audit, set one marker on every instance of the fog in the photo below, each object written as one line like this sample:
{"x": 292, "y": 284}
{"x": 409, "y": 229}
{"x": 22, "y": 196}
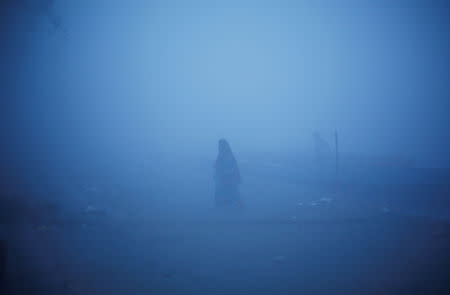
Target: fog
{"x": 111, "y": 113}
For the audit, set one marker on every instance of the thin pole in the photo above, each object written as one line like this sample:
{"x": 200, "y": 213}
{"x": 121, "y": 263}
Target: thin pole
{"x": 337, "y": 154}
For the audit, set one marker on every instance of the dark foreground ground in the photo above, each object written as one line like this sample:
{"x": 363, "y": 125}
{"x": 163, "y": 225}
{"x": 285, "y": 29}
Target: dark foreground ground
{"x": 294, "y": 237}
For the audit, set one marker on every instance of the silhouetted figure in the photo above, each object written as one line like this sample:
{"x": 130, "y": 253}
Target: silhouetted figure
{"x": 322, "y": 149}
{"x": 227, "y": 177}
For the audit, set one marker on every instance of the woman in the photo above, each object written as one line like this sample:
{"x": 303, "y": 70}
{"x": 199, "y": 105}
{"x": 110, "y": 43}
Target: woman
{"x": 227, "y": 177}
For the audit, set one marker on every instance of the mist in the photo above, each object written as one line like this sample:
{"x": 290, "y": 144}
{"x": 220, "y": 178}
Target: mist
{"x": 336, "y": 114}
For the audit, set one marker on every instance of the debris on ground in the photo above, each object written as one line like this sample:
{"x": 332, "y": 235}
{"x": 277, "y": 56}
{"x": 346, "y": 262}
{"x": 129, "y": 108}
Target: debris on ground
{"x": 91, "y": 189}
{"x": 90, "y": 209}
{"x": 325, "y": 200}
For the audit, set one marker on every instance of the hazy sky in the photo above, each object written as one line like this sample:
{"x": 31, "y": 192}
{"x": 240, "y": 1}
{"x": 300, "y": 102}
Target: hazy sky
{"x": 178, "y": 75}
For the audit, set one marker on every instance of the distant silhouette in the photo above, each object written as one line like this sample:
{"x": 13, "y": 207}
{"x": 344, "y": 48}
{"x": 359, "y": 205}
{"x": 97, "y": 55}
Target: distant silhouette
{"x": 322, "y": 149}
{"x": 227, "y": 177}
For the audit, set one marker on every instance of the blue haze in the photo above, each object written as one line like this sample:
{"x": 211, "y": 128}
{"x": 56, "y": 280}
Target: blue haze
{"x": 118, "y": 106}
